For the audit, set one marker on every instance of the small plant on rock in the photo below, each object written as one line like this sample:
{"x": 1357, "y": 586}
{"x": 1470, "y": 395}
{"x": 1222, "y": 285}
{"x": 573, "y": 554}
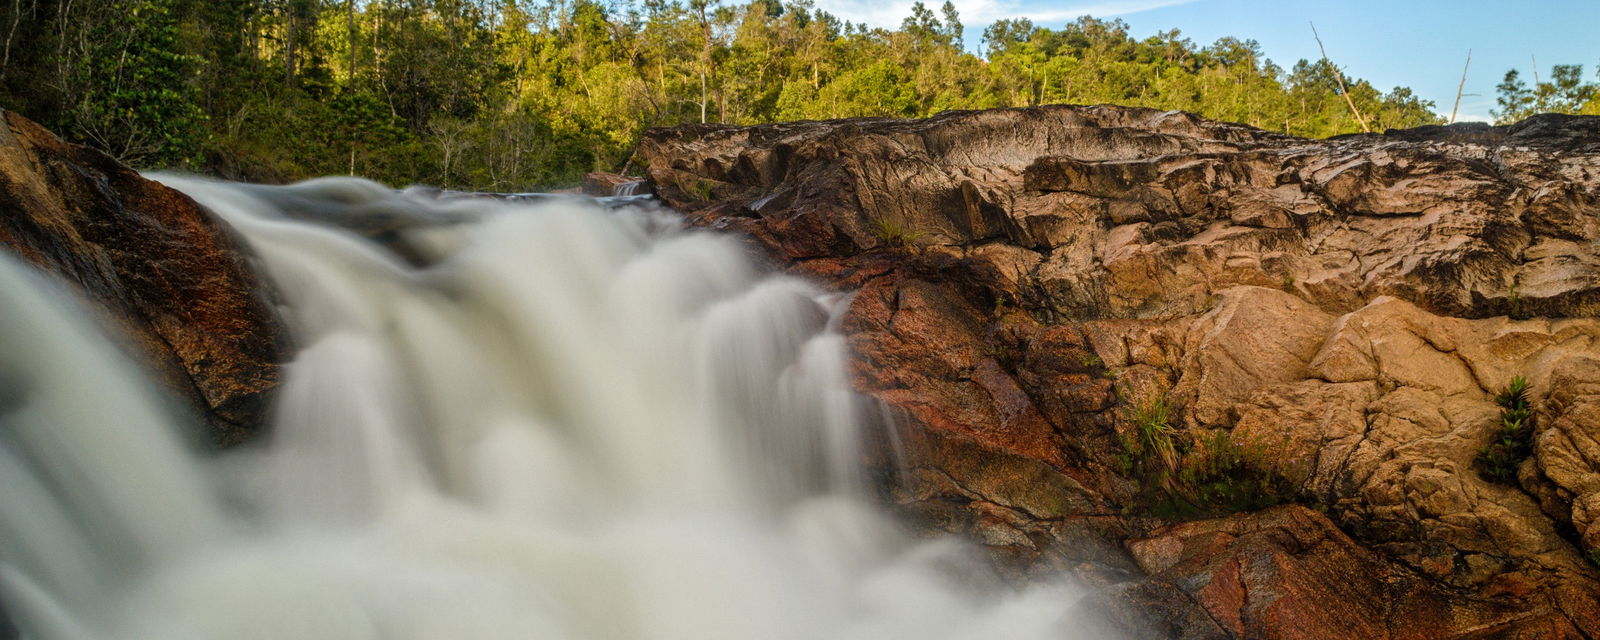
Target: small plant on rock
{"x": 1216, "y": 474}
{"x": 1228, "y": 476}
{"x": 702, "y": 189}
{"x": 1514, "y": 303}
{"x": 893, "y": 233}
{"x": 1148, "y": 450}
{"x": 1004, "y": 354}
{"x": 1513, "y": 440}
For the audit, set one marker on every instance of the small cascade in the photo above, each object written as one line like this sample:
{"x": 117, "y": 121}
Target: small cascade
{"x": 633, "y": 188}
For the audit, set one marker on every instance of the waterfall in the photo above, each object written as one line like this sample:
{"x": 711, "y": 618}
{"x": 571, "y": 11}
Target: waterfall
{"x": 542, "y": 418}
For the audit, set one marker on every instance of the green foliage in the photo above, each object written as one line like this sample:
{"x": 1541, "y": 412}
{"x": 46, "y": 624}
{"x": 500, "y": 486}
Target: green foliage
{"x": 1215, "y": 474}
{"x": 1148, "y": 451}
{"x": 700, "y": 189}
{"x": 1222, "y": 475}
{"x": 1513, "y": 440}
{"x": 131, "y": 95}
{"x": 893, "y": 233}
{"x": 1564, "y": 92}
{"x": 531, "y": 94}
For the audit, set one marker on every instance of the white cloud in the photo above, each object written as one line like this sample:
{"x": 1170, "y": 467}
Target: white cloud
{"x": 982, "y": 12}
{"x": 1473, "y": 108}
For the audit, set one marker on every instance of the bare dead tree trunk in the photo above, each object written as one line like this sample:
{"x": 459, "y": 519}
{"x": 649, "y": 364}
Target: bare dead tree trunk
{"x": 11, "y": 33}
{"x": 290, "y": 20}
{"x": 705, "y": 56}
{"x": 705, "y": 98}
{"x": 252, "y": 38}
{"x": 1461, "y": 87}
{"x": 63, "y": 80}
{"x": 350, "y": 29}
{"x": 1339, "y": 76}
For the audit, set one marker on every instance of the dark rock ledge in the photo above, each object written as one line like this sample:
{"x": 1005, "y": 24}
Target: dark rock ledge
{"x": 153, "y": 265}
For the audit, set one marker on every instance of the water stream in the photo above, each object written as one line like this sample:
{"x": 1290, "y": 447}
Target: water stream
{"x": 539, "y": 419}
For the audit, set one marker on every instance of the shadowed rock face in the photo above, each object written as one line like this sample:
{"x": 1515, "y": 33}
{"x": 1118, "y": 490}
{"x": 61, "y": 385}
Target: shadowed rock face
{"x": 1023, "y": 274}
{"x": 153, "y": 264}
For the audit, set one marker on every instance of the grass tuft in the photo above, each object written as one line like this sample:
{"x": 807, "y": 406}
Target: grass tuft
{"x": 1215, "y": 474}
{"x": 1149, "y": 451}
{"x": 893, "y": 233}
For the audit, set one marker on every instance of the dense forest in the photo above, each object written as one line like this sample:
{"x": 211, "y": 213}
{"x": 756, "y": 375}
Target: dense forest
{"x": 517, "y": 94}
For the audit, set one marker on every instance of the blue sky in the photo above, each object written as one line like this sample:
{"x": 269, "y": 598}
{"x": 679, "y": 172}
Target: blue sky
{"x": 1421, "y": 44}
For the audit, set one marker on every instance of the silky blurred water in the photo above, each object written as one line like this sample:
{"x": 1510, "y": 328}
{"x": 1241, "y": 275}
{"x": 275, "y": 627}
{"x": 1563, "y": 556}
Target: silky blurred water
{"x": 529, "y": 419}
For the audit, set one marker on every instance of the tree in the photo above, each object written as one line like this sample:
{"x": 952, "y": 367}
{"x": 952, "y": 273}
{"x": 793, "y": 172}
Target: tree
{"x": 1565, "y": 92}
{"x": 524, "y": 94}
{"x": 129, "y": 92}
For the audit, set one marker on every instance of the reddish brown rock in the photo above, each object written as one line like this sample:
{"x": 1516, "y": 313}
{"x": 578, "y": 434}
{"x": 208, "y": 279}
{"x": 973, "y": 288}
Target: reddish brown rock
{"x": 1026, "y": 278}
{"x": 156, "y": 265}
{"x": 1289, "y": 573}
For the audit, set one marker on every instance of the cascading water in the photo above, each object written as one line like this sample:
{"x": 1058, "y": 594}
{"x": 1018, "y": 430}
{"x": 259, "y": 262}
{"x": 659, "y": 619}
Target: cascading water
{"x": 545, "y": 421}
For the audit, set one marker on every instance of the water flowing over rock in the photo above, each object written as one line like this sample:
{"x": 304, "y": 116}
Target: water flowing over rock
{"x": 507, "y": 418}
{"x": 155, "y": 265}
{"x": 1027, "y": 277}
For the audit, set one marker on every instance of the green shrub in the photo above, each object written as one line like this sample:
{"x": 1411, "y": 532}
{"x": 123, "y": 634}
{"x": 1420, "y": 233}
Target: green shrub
{"x": 1223, "y": 475}
{"x": 1513, "y": 440}
{"x": 1215, "y": 474}
{"x": 702, "y": 190}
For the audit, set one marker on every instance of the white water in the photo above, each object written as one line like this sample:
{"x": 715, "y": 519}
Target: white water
{"x": 573, "y": 423}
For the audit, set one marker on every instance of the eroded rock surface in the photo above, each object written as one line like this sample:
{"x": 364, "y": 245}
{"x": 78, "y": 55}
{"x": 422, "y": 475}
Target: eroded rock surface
{"x": 156, "y": 265}
{"x": 1024, "y": 276}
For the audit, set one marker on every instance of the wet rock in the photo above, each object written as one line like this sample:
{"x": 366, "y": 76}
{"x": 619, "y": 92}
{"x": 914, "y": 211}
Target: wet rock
{"x": 1348, "y": 309}
{"x": 1288, "y": 572}
{"x": 153, "y": 264}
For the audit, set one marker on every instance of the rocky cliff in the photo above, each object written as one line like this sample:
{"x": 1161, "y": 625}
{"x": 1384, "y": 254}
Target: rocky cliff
{"x": 153, "y": 265}
{"x": 1243, "y": 384}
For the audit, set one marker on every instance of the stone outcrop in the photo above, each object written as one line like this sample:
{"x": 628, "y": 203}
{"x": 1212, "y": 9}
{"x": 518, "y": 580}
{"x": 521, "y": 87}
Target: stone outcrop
{"x": 1026, "y": 278}
{"x": 1288, "y": 573}
{"x": 601, "y": 185}
{"x": 157, "y": 267}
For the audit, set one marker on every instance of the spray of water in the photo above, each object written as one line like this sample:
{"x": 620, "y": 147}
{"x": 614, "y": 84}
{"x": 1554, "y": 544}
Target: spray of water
{"x": 540, "y": 420}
